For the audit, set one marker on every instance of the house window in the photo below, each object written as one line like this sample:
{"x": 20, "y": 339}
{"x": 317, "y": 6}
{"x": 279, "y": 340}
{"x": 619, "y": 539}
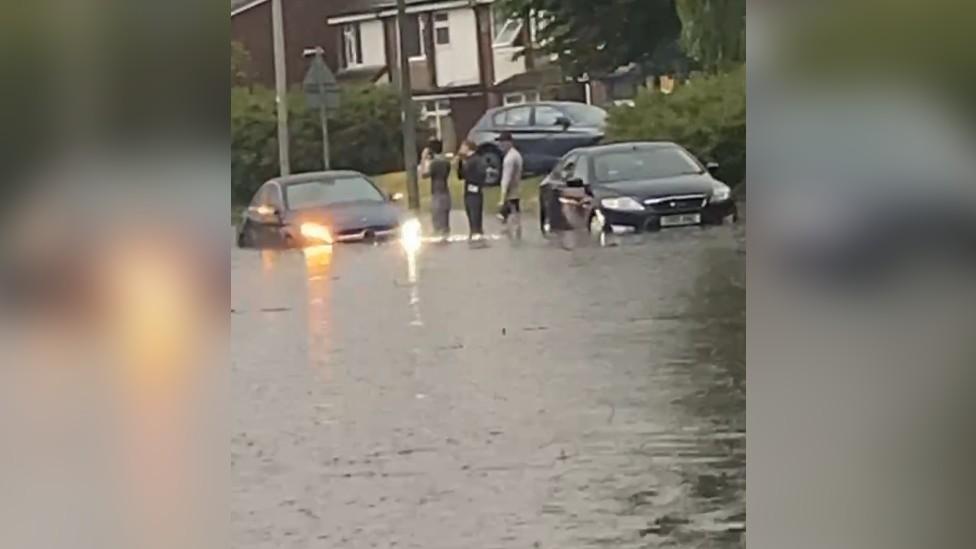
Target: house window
{"x": 352, "y": 45}
{"x": 442, "y": 28}
{"x": 436, "y": 113}
{"x": 517, "y": 98}
{"x": 507, "y": 34}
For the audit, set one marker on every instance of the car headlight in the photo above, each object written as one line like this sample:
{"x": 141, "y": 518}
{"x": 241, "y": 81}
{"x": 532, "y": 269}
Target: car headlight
{"x": 720, "y": 192}
{"x": 623, "y": 203}
{"x": 317, "y": 233}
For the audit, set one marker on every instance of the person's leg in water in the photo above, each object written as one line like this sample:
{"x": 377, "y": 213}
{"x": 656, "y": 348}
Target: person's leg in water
{"x": 513, "y": 218}
{"x": 474, "y": 206}
{"x": 440, "y": 210}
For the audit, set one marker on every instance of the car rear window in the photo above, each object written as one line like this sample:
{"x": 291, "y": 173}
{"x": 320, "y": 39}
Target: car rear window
{"x": 644, "y": 163}
{"x": 311, "y": 194}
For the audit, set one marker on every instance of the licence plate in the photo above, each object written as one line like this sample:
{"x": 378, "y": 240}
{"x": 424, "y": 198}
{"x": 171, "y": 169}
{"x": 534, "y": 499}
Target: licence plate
{"x": 678, "y": 220}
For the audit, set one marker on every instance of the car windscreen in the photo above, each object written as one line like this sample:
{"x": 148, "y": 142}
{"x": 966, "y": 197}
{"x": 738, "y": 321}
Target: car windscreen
{"x": 325, "y": 192}
{"x": 586, "y": 115}
{"x": 645, "y": 163}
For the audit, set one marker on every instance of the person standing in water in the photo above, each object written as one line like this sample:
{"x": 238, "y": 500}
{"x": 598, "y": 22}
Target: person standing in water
{"x": 471, "y": 171}
{"x": 436, "y": 166}
{"x": 510, "y": 208}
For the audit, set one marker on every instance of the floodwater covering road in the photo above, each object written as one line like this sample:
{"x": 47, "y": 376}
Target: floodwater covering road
{"x": 509, "y": 397}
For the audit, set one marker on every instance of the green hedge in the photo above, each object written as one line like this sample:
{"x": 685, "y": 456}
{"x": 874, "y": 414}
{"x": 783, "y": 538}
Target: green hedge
{"x": 364, "y": 134}
{"x": 706, "y": 115}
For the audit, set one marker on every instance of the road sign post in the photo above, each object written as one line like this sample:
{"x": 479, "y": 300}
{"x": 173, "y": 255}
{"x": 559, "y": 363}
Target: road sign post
{"x": 321, "y": 90}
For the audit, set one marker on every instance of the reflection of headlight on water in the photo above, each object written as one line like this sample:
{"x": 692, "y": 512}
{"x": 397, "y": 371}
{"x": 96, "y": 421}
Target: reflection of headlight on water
{"x": 410, "y": 235}
{"x": 316, "y": 232}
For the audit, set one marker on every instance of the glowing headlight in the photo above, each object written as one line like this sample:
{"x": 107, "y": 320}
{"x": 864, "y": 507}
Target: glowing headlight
{"x": 316, "y": 232}
{"x": 720, "y": 192}
{"x": 410, "y": 235}
{"x": 623, "y": 203}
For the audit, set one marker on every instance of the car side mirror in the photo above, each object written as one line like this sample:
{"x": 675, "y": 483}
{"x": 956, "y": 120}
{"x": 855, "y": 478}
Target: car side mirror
{"x": 712, "y": 167}
{"x": 575, "y": 183}
{"x": 564, "y": 122}
{"x": 396, "y": 197}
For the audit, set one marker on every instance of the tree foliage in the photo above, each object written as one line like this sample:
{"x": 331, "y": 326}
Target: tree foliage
{"x": 707, "y": 115}
{"x": 714, "y": 32}
{"x": 598, "y": 36}
{"x": 364, "y": 134}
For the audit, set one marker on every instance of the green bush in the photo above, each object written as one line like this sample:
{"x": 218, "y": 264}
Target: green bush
{"x": 706, "y": 115}
{"x": 364, "y": 135}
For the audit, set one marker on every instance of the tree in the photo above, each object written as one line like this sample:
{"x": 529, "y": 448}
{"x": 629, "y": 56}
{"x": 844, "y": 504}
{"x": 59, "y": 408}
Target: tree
{"x": 598, "y": 36}
{"x": 240, "y": 61}
{"x": 714, "y": 32}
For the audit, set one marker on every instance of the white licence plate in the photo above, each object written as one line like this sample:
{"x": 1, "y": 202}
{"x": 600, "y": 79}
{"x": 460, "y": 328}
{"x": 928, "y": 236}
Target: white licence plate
{"x": 678, "y": 220}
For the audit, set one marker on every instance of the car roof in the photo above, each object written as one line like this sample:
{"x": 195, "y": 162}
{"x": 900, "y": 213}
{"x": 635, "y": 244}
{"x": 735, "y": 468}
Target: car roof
{"x": 315, "y": 176}
{"x": 625, "y": 146}
{"x": 543, "y": 103}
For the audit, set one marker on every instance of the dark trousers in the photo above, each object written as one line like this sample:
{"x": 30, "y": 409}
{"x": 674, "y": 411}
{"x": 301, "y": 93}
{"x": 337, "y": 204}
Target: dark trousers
{"x": 440, "y": 210}
{"x": 474, "y": 206}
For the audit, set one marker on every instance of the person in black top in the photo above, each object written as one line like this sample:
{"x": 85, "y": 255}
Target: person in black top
{"x": 436, "y": 166}
{"x": 471, "y": 171}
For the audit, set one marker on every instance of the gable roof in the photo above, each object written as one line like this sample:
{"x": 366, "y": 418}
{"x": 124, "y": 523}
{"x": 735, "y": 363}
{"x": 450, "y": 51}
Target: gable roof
{"x": 355, "y": 7}
{"x": 238, "y": 6}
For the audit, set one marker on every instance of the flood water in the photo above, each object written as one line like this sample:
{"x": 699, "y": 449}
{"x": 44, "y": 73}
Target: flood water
{"x": 517, "y": 396}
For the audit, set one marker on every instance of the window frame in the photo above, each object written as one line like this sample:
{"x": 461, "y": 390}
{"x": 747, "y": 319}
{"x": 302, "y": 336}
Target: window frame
{"x": 421, "y": 39}
{"x": 442, "y": 25}
{"x": 526, "y": 98}
{"x": 518, "y": 24}
{"x": 352, "y": 45}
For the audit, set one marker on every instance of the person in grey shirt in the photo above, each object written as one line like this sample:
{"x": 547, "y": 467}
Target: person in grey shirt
{"x": 436, "y": 166}
{"x": 510, "y": 207}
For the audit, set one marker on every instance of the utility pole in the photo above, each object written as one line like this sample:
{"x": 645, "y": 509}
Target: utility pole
{"x": 409, "y": 114}
{"x": 281, "y": 86}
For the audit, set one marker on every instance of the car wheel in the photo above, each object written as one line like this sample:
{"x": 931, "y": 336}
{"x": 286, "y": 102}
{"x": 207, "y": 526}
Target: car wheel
{"x": 493, "y": 165}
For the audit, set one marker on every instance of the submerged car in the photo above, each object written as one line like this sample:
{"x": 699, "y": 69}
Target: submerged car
{"x": 636, "y": 187}
{"x": 321, "y": 208}
{"x": 543, "y": 132}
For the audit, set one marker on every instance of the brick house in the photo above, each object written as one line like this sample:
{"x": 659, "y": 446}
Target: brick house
{"x": 464, "y": 58}
{"x": 305, "y": 26}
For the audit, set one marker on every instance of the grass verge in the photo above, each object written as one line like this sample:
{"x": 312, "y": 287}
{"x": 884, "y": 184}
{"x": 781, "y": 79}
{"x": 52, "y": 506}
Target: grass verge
{"x": 397, "y": 183}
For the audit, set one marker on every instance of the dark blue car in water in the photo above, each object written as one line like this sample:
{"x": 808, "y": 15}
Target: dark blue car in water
{"x": 543, "y": 131}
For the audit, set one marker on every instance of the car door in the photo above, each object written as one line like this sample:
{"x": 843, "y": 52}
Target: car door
{"x": 547, "y": 120}
{"x": 560, "y": 136}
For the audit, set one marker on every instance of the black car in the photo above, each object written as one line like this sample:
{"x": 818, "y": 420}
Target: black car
{"x": 320, "y": 208}
{"x": 543, "y": 133}
{"x": 637, "y": 187}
